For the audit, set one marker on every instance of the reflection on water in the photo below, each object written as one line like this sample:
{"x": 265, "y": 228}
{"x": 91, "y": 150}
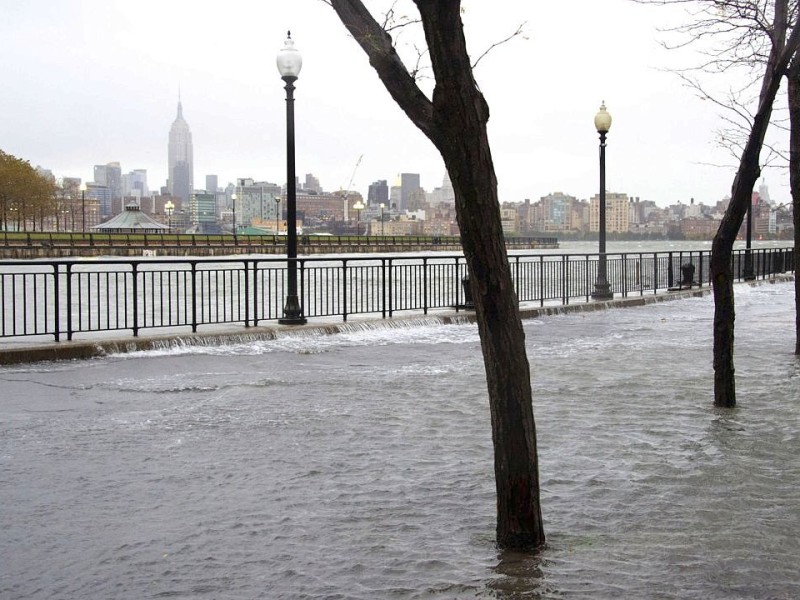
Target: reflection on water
{"x": 359, "y": 465}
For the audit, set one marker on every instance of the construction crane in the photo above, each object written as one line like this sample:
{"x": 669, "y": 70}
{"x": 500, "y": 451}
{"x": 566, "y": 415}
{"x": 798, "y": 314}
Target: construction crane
{"x": 350, "y": 185}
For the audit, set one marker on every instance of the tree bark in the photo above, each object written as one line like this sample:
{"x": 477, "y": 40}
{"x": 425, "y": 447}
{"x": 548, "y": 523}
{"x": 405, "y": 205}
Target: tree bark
{"x": 741, "y": 198}
{"x": 455, "y": 121}
{"x": 794, "y": 181}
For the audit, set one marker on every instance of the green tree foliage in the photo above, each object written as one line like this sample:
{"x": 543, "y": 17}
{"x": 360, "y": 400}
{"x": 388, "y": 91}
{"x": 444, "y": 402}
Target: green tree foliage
{"x": 26, "y": 196}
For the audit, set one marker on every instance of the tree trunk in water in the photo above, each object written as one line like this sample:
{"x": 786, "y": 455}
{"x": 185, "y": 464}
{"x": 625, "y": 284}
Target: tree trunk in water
{"x": 741, "y": 198}
{"x": 455, "y": 121}
{"x": 794, "y": 182}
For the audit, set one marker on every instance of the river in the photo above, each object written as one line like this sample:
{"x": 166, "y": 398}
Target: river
{"x": 359, "y": 465}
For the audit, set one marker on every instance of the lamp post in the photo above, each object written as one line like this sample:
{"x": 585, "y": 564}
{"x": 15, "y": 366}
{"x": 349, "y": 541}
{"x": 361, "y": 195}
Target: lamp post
{"x": 168, "y": 208}
{"x": 233, "y": 201}
{"x": 277, "y": 215}
{"x": 382, "y": 205}
{"x": 358, "y": 206}
{"x": 83, "y": 206}
{"x": 602, "y": 290}
{"x": 747, "y": 273}
{"x": 289, "y": 64}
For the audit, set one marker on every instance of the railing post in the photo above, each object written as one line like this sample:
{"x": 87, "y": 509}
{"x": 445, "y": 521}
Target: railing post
{"x": 391, "y": 287}
{"x": 301, "y": 274}
{"x": 383, "y": 288}
{"x": 564, "y": 292}
{"x": 56, "y": 301}
{"x": 345, "y": 290}
{"x": 425, "y": 285}
{"x": 194, "y": 296}
{"x": 670, "y": 275}
{"x": 69, "y": 301}
{"x": 135, "y": 275}
{"x": 255, "y": 293}
{"x": 246, "y": 294}
{"x": 541, "y": 280}
{"x": 624, "y": 258}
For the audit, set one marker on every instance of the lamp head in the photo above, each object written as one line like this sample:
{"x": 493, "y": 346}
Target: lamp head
{"x": 289, "y": 60}
{"x": 602, "y": 120}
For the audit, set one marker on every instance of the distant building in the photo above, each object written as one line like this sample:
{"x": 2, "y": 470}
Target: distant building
{"x": 203, "y": 211}
{"x": 255, "y": 202}
{"x": 180, "y": 180}
{"x": 135, "y": 183}
{"x": 131, "y": 220}
{"x": 553, "y": 213}
{"x": 699, "y": 228}
{"x": 409, "y": 190}
{"x": 211, "y": 184}
{"x": 617, "y": 217}
{"x": 109, "y": 176}
{"x": 378, "y": 193}
{"x": 102, "y": 195}
{"x": 312, "y": 185}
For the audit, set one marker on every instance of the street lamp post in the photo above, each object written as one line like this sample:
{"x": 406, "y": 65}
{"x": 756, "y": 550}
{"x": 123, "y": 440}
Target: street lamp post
{"x": 83, "y": 206}
{"x": 277, "y": 215}
{"x": 358, "y": 206}
{"x": 289, "y": 64}
{"x": 168, "y": 208}
{"x": 747, "y": 273}
{"x": 382, "y": 207}
{"x": 233, "y": 201}
{"x": 602, "y": 290}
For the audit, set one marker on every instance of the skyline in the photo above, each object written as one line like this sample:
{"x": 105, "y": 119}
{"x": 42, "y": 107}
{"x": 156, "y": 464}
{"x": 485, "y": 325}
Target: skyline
{"x": 105, "y": 87}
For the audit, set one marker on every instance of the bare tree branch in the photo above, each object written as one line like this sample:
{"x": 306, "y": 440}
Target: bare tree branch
{"x": 520, "y": 31}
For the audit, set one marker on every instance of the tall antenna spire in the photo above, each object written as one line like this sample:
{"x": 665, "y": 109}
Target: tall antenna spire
{"x": 180, "y": 108}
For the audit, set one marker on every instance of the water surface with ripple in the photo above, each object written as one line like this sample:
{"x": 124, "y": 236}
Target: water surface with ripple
{"x": 359, "y": 465}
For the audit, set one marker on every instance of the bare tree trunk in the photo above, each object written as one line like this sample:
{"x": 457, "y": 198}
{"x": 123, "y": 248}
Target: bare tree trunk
{"x": 794, "y": 182}
{"x": 741, "y": 198}
{"x": 455, "y": 121}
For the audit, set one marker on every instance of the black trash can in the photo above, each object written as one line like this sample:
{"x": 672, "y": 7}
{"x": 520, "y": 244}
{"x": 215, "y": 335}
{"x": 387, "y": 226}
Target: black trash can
{"x": 468, "y": 302}
{"x": 687, "y": 275}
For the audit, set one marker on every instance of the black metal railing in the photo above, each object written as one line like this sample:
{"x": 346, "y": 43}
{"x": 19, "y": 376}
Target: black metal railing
{"x": 62, "y": 298}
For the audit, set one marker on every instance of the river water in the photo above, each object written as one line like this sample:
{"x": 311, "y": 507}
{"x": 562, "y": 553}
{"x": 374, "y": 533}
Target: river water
{"x": 359, "y": 465}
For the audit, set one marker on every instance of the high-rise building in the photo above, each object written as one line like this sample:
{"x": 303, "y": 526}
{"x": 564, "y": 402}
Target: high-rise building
{"x": 312, "y": 185}
{"x": 409, "y": 189}
{"x": 180, "y": 182}
{"x": 211, "y": 184}
{"x": 617, "y": 219}
{"x": 135, "y": 184}
{"x": 110, "y": 176}
{"x": 378, "y": 193}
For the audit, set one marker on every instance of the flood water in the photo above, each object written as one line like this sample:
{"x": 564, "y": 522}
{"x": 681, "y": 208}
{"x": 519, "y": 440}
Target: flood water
{"x": 359, "y": 465}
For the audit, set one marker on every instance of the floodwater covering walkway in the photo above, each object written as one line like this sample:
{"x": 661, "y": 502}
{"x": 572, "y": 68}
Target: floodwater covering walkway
{"x": 359, "y": 465}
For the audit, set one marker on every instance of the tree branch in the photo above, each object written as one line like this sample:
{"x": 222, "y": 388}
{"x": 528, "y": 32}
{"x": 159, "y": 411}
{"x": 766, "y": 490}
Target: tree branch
{"x": 378, "y": 46}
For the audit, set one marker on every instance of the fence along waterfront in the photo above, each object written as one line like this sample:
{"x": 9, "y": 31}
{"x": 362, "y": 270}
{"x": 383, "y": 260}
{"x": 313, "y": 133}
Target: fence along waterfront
{"x": 61, "y": 298}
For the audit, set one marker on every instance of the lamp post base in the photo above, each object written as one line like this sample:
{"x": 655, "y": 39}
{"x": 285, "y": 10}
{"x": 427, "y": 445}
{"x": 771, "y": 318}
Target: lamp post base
{"x": 292, "y": 314}
{"x": 602, "y": 291}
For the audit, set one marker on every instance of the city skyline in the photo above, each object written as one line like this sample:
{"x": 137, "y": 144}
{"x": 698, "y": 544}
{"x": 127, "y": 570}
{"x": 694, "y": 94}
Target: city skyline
{"x": 104, "y": 88}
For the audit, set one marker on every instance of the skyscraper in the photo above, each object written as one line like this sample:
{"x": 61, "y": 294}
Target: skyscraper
{"x": 409, "y": 189}
{"x": 180, "y": 182}
{"x": 378, "y": 193}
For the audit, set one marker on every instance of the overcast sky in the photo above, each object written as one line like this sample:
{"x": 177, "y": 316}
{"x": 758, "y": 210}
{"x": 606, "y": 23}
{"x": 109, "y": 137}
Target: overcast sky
{"x": 88, "y": 82}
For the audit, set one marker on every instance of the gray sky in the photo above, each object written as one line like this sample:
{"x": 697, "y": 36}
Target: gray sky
{"x": 94, "y": 81}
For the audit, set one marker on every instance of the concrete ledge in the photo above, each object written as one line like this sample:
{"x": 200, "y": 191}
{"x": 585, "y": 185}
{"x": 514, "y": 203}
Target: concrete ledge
{"x": 85, "y": 349}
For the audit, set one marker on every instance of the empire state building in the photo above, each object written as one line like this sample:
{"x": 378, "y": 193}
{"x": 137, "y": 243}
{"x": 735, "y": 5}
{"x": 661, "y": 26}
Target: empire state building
{"x": 180, "y": 182}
